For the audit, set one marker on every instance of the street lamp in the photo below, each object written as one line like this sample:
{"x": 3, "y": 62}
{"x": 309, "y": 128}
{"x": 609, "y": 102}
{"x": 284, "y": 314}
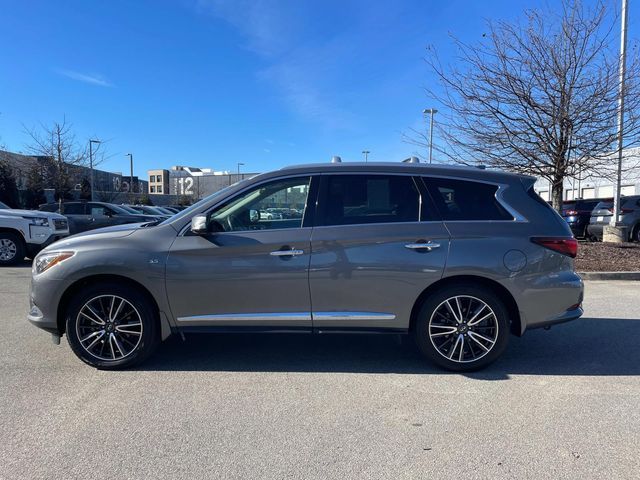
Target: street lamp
{"x": 130, "y": 155}
{"x": 621, "y": 92}
{"x": 91, "y": 142}
{"x": 366, "y": 155}
{"x": 239, "y": 164}
{"x": 431, "y": 112}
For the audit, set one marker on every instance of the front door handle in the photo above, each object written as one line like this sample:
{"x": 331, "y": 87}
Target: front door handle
{"x": 428, "y": 246}
{"x": 286, "y": 253}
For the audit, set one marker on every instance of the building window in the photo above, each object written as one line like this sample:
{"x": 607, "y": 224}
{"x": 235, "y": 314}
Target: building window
{"x": 159, "y": 178}
{"x": 152, "y": 189}
{"x": 152, "y": 178}
{"x": 159, "y": 188}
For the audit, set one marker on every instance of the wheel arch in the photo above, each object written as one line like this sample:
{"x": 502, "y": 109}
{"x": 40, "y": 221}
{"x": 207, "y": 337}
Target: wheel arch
{"x": 497, "y": 288}
{"x": 15, "y": 231}
{"x": 84, "y": 282}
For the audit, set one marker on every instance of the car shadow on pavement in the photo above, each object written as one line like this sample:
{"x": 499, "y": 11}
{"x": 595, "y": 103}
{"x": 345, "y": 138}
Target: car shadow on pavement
{"x": 589, "y": 346}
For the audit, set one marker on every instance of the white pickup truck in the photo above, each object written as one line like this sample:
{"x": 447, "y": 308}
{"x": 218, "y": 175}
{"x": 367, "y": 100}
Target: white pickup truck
{"x": 23, "y": 233}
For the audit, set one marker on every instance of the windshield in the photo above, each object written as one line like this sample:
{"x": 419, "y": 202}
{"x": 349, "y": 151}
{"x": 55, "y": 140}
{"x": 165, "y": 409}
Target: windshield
{"x": 4, "y": 206}
{"x": 196, "y": 206}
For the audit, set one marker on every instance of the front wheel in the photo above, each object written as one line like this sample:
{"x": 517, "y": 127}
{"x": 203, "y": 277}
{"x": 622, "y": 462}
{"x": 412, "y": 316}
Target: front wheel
{"x": 462, "y": 328}
{"x": 112, "y": 327}
{"x": 12, "y": 249}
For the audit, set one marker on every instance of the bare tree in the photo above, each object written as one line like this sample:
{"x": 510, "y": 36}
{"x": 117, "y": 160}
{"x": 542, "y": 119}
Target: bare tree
{"x": 61, "y": 154}
{"x": 537, "y": 97}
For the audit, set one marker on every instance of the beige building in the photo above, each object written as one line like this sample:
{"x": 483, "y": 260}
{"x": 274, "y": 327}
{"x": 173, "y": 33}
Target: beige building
{"x": 158, "y": 182}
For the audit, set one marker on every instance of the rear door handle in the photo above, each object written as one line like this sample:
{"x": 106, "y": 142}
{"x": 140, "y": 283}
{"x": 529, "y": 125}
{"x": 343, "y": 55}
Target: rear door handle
{"x": 286, "y": 253}
{"x": 428, "y": 246}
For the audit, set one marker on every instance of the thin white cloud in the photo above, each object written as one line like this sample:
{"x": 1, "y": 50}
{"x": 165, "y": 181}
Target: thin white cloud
{"x": 92, "y": 79}
{"x": 304, "y": 74}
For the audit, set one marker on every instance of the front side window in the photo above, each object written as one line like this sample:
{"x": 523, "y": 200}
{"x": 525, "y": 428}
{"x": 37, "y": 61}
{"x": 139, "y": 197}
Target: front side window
{"x": 466, "y": 200}
{"x": 362, "y": 199}
{"x": 275, "y": 205}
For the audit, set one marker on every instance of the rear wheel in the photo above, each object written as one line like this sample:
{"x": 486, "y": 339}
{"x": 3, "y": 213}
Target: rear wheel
{"x": 12, "y": 249}
{"x": 462, "y": 328}
{"x": 635, "y": 233}
{"x": 112, "y": 327}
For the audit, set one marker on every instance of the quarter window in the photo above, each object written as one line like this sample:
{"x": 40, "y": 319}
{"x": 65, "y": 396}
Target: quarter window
{"x": 362, "y": 199}
{"x": 466, "y": 200}
{"x": 280, "y": 204}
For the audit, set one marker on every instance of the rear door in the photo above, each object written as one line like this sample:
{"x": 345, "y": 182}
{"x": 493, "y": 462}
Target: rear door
{"x": 75, "y": 212}
{"x": 377, "y": 244}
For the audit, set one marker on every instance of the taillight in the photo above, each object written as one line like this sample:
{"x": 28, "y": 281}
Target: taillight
{"x": 571, "y": 212}
{"x": 626, "y": 210}
{"x": 566, "y": 246}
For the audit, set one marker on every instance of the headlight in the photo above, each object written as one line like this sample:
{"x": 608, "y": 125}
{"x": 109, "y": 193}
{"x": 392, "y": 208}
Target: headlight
{"x": 45, "y": 261}
{"x": 39, "y": 221}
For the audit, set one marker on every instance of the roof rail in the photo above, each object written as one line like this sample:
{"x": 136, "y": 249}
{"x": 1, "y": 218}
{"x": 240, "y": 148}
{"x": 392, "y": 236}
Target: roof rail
{"x": 411, "y": 160}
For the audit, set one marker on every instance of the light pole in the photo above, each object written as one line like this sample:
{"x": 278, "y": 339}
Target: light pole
{"x": 239, "y": 165}
{"x": 431, "y": 112}
{"x": 366, "y": 155}
{"x": 621, "y": 92}
{"x": 91, "y": 142}
{"x": 130, "y": 155}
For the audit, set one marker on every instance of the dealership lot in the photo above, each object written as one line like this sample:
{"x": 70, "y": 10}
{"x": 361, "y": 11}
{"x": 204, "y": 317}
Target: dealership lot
{"x": 560, "y": 404}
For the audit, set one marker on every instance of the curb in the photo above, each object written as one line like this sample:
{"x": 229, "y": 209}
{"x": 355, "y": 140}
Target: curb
{"x": 610, "y": 275}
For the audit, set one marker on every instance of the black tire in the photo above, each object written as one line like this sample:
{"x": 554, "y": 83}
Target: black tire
{"x": 635, "y": 234}
{"x": 12, "y": 248}
{"x": 136, "y": 305}
{"x": 469, "y": 356}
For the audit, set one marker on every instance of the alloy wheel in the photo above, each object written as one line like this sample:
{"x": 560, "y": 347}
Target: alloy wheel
{"x": 8, "y": 249}
{"x": 463, "y": 329}
{"x": 109, "y": 327}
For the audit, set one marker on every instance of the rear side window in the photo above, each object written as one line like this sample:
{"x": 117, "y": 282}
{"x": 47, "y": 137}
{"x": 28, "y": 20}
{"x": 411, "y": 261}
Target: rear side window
{"x": 466, "y": 200}
{"x": 361, "y": 199}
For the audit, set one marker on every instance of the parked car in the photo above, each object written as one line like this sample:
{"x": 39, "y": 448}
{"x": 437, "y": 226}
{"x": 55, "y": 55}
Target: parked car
{"x": 148, "y": 210}
{"x": 459, "y": 258}
{"x": 172, "y": 210}
{"x": 83, "y": 216}
{"x": 577, "y": 214}
{"x": 629, "y": 216}
{"x": 23, "y": 233}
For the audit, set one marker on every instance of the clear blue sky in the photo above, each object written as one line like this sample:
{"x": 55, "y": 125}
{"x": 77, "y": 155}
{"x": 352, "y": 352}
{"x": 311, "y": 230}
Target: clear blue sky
{"x": 212, "y": 82}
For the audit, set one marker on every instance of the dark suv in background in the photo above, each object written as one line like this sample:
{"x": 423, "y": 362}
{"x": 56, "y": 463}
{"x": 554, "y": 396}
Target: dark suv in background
{"x": 629, "y": 216}
{"x": 577, "y": 214}
{"x": 83, "y": 216}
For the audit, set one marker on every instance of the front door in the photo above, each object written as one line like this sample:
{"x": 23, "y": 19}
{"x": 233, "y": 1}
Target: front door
{"x": 377, "y": 245}
{"x": 251, "y": 270}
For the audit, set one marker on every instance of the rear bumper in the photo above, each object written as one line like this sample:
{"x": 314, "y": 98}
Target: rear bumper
{"x": 550, "y": 299}
{"x": 569, "y": 315}
{"x": 595, "y": 229}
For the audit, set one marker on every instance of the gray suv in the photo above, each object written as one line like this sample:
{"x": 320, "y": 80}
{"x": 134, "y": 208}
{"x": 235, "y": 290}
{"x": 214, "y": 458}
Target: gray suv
{"x": 629, "y": 216}
{"x": 459, "y": 258}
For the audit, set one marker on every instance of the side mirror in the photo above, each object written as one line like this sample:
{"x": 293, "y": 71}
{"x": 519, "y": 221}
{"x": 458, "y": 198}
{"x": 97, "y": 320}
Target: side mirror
{"x": 254, "y": 216}
{"x": 199, "y": 225}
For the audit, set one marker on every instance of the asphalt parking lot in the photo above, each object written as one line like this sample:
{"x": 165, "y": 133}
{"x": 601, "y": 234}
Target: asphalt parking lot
{"x": 560, "y": 404}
